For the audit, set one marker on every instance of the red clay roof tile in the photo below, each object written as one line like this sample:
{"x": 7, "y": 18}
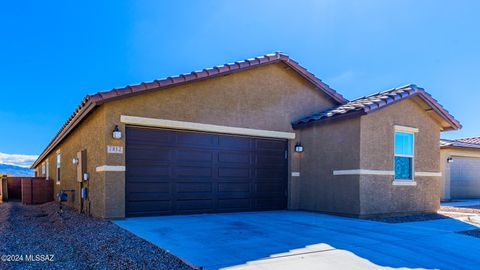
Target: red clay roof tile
{"x": 91, "y": 101}
{"x": 378, "y": 101}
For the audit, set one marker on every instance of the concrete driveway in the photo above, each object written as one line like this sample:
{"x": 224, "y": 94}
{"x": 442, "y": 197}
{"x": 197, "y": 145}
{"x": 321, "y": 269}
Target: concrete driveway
{"x": 303, "y": 240}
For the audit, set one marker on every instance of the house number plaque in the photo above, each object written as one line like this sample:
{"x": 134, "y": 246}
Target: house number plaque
{"x": 114, "y": 149}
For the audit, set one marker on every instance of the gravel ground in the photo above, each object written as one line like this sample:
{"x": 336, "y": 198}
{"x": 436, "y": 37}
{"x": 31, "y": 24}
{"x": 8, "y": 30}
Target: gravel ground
{"x": 474, "y": 209}
{"x": 410, "y": 218}
{"x": 76, "y": 241}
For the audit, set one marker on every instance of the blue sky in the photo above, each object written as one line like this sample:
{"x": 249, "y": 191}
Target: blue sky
{"x": 53, "y": 53}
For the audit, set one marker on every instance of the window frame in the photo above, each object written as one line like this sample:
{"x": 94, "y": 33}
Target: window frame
{"x": 47, "y": 165}
{"x": 58, "y": 161}
{"x": 411, "y": 131}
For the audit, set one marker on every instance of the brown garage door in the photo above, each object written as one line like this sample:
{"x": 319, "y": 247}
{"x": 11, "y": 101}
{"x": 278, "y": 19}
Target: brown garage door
{"x": 176, "y": 172}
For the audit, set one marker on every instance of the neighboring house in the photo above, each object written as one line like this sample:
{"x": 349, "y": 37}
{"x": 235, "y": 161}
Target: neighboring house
{"x": 229, "y": 138}
{"x": 460, "y": 160}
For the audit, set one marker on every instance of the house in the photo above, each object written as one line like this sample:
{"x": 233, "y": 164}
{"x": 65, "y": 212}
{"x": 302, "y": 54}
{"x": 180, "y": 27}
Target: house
{"x": 258, "y": 134}
{"x": 460, "y": 161}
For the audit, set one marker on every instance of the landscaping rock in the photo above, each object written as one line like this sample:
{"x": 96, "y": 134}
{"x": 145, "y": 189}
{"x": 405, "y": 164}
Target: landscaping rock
{"x": 75, "y": 241}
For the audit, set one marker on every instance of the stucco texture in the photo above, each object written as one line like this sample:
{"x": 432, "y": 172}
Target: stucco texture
{"x": 328, "y": 147}
{"x": 377, "y": 193}
{"x": 90, "y": 136}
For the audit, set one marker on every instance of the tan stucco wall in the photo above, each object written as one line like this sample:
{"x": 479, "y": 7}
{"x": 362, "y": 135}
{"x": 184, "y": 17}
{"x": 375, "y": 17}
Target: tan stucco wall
{"x": 377, "y": 194}
{"x": 89, "y": 135}
{"x": 268, "y": 98}
{"x": 445, "y": 153}
{"x": 328, "y": 147}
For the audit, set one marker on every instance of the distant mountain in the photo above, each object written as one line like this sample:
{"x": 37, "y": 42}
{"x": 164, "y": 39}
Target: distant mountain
{"x": 15, "y": 170}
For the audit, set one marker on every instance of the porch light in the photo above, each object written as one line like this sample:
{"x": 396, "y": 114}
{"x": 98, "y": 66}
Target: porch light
{"x": 298, "y": 148}
{"x": 117, "y": 134}
{"x": 75, "y": 161}
{"x": 449, "y": 160}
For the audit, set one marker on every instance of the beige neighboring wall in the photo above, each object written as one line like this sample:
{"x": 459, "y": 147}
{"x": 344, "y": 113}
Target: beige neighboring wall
{"x": 264, "y": 98}
{"x": 377, "y": 193}
{"x": 445, "y": 153}
{"x": 328, "y": 147}
{"x": 89, "y": 135}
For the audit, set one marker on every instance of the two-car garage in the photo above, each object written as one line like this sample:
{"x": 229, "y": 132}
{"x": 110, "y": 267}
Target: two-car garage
{"x": 182, "y": 172}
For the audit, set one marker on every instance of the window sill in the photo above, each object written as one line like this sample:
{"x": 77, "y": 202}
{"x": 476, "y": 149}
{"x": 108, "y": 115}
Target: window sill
{"x": 58, "y": 183}
{"x": 404, "y": 183}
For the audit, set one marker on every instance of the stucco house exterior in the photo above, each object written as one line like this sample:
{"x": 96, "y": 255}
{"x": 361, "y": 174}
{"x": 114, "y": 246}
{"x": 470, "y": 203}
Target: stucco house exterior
{"x": 460, "y": 161}
{"x": 258, "y": 134}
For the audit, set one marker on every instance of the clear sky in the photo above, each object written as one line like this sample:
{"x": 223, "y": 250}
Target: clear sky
{"x": 53, "y": 53}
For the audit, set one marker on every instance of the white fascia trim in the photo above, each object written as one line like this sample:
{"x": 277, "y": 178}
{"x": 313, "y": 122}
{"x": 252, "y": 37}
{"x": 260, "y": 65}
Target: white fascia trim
{"x": 428, "y": 174}
{"x": 406, "y": 129}
{"x": 362, "y": 172}
{"x": 460, "y": 154}
{"x": 163, "y": 123}
{"x": 110, "y": 168}
{"x": 404, "y": 183}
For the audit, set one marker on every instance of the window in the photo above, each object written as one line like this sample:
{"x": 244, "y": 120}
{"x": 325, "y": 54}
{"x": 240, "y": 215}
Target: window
{"x": 404, "y": 153}
{"x": 59, "y": 157}
{"x": 43, "y": 169}
{"x": 47, "y": 174}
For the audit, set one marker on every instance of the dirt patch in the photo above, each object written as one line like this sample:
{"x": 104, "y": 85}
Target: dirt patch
{"x": 75, "y": 241}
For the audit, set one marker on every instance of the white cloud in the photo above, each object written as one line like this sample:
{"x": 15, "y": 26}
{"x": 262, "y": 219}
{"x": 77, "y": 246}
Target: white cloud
{"x": 18, "y": 160}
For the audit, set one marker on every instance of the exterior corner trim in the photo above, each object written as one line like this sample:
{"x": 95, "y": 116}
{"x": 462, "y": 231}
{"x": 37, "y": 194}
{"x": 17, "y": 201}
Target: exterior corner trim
{"x": 363, "y": 172}
{"x": 183, "y": 125}
{"x": 428, "y": 174}
{"x": 110, "y": 168}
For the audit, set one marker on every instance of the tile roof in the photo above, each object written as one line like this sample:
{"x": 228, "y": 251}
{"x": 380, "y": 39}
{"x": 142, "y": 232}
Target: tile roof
{"x": 92, "y": 101}
{"x": 472, "y": 140}
{"x": 377, "y": 101}
{"x": 461, "y": 143}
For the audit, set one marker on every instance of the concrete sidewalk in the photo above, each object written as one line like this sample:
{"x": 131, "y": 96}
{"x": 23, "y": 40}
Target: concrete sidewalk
{"x": 303, "y": 240}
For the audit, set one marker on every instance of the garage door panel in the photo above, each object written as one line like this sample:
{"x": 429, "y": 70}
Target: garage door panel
{"x": 234, "y": 157}
{"x": 465, "y": 178}
{"x": 234, "y": 172}
{"x": 178, "y": 172}
{"x": 194, "y": 139}
{"x": 269, "y": 173}
{"x": 193, "y": 187}
{"x": 147, "y": 170}
{"x": 194, "y": 155}
{"x": 232, "y": 204}
{"x": 148, "y": 187}
{"x": 149, "y": 206}
{"x": 194, "y": 204}
{"x": 267, "y": 203}
{"x": 198, "y": 172}
{"x": 238, "y": 143}
{"x": 151, "y": 153}
{"x": 148, "y": 196}
{"x": 263, "y": 144}
{"x": 234, "y": 187}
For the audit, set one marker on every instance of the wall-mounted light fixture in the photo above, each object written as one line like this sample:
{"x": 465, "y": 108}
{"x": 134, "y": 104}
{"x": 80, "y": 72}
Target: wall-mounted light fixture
{"x": 298, "y": 148}
{"x": 75, "y": 161}
{"x": 449, "y": 160}
{"x": 117, "y": 134}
